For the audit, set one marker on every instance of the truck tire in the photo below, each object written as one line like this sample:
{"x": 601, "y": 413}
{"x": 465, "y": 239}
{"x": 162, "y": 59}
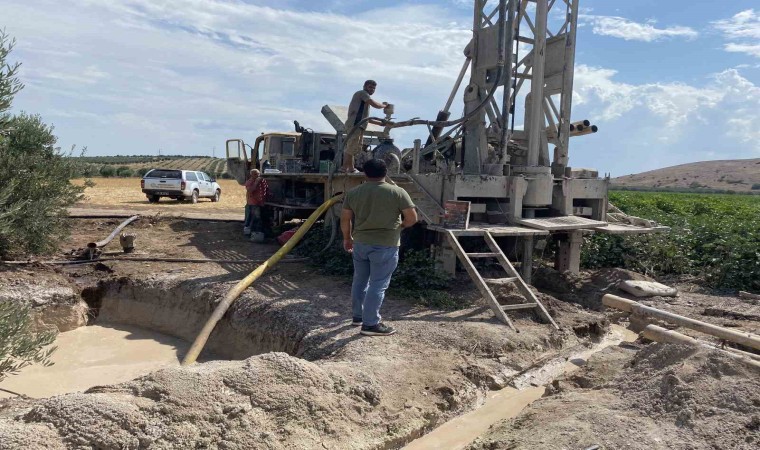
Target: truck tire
{"x": 153, "y": 198}
{"x": 217, "y": 196}
{"x": 194, "y": 197}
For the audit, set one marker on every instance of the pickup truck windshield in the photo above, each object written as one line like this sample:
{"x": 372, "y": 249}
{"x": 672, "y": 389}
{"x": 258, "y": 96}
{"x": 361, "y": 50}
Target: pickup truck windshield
{"x": 158, "y": 173}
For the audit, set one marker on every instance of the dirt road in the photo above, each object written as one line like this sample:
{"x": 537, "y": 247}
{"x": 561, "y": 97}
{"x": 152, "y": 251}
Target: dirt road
{"x": 124, "y": 194}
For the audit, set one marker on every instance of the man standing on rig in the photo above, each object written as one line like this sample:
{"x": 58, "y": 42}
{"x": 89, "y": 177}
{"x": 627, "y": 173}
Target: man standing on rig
{"x": 358, "y": 110}
{"x": 379, "y": 211}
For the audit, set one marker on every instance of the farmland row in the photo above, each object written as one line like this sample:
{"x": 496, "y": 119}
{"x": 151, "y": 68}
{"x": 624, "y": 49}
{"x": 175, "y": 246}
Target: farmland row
{"x": 716, "y": 237}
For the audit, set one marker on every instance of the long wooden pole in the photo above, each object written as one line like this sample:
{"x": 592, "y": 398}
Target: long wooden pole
{"x": 659, "y": 334}
{"x": 623, "y": 304}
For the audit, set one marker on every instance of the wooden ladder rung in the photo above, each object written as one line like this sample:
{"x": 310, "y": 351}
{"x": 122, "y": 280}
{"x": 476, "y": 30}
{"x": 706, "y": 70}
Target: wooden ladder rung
{"x": 482, "y": 255}
{"x": 520, "y": 306}
{"x": 500, "y": 280}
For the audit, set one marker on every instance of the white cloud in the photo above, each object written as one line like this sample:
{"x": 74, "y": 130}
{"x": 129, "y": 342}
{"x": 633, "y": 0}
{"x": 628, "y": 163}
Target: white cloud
{"x": 727, "y": 105}
{"x": 742, "y": 31}
{"x": 132, "y": 76}
{"x": 745, "y": 24}
{"x": 632, "y": 31}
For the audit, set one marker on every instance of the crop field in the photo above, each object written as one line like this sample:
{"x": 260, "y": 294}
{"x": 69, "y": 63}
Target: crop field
{"x": 125, "y": 193}
{"x": 94, "y": 164}
{"x": 715, "y": 237}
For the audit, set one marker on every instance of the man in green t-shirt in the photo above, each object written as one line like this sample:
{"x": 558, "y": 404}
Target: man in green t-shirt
{"x": 379, "y": 211}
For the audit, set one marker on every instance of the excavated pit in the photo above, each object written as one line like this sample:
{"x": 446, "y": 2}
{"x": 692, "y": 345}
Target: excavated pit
{"x": 309, "y": 379}
{"x": 182, "y": 311}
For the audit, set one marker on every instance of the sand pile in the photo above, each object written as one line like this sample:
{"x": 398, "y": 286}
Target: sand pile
{"x": 258, "y": 403}
{"x": 661, "y": 397}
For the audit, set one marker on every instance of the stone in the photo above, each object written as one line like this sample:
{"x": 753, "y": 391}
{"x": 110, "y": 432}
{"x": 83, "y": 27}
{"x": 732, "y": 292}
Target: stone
{"x": 647, "y": 288}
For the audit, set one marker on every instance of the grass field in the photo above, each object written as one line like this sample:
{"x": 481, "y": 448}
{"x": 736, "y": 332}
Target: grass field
{"x": 125, "y": 193}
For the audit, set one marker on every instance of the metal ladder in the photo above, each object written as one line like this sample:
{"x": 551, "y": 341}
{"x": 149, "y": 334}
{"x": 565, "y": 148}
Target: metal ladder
{"x": 482, "y": 283}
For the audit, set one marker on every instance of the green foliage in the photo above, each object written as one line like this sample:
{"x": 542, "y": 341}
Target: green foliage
{"x": 141, "y": 172}
{"x": 35, "y": 190}
{"x": 9, "y": 82}
{"x": 20, "y": 346}
{"x": 124, "y": 172}
{"x": 107, "y": 171}
{"x": 697, "y": 188}
{"x": 333, "y": 260}
{"x": 713, "y": 236}
{"x": 416, "y": 277}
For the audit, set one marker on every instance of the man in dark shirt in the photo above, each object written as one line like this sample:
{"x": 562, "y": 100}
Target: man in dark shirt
{"x": 379, "y": 211}
{"x": 358, "y": 110}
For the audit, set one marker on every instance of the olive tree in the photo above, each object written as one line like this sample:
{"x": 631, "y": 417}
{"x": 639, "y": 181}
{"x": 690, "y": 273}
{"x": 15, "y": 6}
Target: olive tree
{"x": 36, "y": 188}
{"x": 34, "y": 194}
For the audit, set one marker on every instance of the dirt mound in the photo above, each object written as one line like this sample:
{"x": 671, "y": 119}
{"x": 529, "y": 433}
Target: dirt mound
{"x": 586, "y": 288}
{"x": 705, "y": 391}
{"x": 264, "y": 400}
{"x": 662, "y": 397}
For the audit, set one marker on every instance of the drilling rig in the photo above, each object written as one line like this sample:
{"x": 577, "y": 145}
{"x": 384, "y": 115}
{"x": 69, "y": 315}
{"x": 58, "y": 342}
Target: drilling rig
{"x": 520, "y": 63}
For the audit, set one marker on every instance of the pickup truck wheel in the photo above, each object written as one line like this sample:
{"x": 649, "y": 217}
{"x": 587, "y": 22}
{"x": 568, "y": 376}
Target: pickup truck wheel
{"x": 153, "y": 198}
{"x": 217, "y": 196}
{"x": 194, "y": 197}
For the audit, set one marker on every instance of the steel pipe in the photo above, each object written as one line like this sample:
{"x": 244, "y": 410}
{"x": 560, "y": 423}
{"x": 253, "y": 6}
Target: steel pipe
{"x": 642, "y": 311}
{"x": 659, "y": 334}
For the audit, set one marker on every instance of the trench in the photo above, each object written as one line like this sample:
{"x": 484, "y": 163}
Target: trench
{"x": 136, "y": 329}
{"x": 509, "y": 402}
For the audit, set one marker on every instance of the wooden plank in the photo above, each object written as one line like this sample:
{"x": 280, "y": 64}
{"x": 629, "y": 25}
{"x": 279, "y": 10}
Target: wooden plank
{"x": 479, "y": 283}
{"x": 519, "y": 306}
{"x": 482, "y": 255}
{"x": 521, "y": 285}
{"x": 623, "y": 228}
{"x": 562, "y": 223}
{"x": 500, "y": 281}
{"x": 477, "y": 229}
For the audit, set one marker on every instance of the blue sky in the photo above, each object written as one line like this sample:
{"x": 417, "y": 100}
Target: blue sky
{"x": 667, "y": 82}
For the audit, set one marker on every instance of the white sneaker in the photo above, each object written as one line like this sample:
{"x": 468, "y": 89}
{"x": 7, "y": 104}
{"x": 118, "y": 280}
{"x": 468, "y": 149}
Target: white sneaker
{"x": 247, "y": 231}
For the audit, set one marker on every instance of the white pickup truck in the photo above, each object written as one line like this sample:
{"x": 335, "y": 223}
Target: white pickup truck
{"x": 179, "y": 185}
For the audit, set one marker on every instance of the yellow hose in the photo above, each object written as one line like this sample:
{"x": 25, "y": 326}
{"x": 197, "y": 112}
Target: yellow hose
{"x": 234, "y": 293}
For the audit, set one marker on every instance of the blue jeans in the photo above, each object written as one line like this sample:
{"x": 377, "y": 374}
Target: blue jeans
{"x": 252, "y": 217}
{"x": 373, "y": 267}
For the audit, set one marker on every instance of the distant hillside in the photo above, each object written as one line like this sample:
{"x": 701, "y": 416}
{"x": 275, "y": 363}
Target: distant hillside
{"x": 738, "y": 175}
{"x": 140, "y": 164}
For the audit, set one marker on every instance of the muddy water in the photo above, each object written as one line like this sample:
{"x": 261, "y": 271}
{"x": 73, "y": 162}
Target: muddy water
{"x": 97, "y": 355}
{"x": 509, "y": 402}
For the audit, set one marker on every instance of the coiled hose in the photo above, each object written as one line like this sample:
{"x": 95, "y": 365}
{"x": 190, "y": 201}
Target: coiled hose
{"x": 234, "y": 293}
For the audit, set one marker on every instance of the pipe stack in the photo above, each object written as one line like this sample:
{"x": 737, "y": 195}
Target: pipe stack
{"x": 582, "y": 127}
